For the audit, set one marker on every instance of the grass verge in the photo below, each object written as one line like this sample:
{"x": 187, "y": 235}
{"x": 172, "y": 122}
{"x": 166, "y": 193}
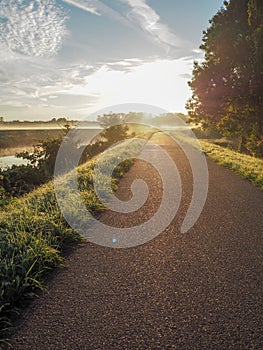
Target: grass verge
{"x": 246, "y": 166}
{"x": 33, "y": 233}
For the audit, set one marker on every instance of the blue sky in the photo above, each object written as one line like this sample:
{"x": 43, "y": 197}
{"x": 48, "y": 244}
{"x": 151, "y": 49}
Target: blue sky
{"x": 73, "y": 57}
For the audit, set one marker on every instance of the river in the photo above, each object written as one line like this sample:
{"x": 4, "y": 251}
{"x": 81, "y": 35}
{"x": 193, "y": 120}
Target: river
{"x": 8, "y": 161}
{"x": 26, "y": 141}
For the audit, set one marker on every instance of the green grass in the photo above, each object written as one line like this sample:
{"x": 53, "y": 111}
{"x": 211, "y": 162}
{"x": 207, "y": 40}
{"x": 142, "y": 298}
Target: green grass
{"x": 33, "y": 233}
{"x": 246, "y": 166}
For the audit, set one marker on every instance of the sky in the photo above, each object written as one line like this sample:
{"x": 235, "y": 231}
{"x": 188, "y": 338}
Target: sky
{"x": 71, "y": 58}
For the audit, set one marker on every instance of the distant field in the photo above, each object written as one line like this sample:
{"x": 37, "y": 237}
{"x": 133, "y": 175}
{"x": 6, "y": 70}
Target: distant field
{"x": 28, "y": 137}
{"x": 21, "y": 137}
{"x": 11, "y": 151}
{"x": 46, "y": 125}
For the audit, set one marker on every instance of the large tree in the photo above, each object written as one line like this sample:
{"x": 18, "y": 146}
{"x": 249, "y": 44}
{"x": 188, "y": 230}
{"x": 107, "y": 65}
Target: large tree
{"x": 227, "y": 84}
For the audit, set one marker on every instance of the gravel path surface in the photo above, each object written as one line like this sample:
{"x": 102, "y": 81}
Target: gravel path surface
{"x": 199, "y": 290}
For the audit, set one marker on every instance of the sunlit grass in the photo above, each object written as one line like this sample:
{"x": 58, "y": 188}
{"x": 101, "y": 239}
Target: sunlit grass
{"x": 246, "y": 166}
{"x": 33, "y": 231}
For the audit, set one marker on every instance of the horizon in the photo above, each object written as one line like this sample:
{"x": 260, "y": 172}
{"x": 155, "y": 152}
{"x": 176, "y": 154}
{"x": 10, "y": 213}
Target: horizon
{"x": 61, "y": 119}
{"x": 74, "y": 58}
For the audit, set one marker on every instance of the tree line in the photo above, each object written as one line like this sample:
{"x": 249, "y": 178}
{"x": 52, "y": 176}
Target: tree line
{"x": 227, "y": 86}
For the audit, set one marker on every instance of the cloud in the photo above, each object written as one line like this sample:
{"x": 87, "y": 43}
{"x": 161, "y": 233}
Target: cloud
{"x": 27, "y": 80}
{"x": 98, "y": 8}
{"x": 38, "y": 89}
{"x": 142, "y": 14}
{"x": 154, "y": 82}
{"x": 85, "y": 5}
{"x": 69, "y": 100}
{"x": 35, "y": 28}
{"x": 126, "y": 65}
{"x": 184, "y": 76}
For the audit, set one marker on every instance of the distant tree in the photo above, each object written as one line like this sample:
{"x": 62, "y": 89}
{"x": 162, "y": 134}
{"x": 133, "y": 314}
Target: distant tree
{"x": 21, "y": 179}
{"x": 113, "y": 133}
{"x": 136, "y": 117}
{"x": 115, "y": 130}
{"x": 168, "y": 119}
{"x": 106, "y": 120}
{"x": 44, "y": 155}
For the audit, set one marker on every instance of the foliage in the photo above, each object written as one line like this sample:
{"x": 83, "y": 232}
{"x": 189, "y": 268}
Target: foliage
{"x": 114, "y": 132}
{"x": 21, "y": 179}
{"x": 227, "y": 86}
{"x": 207, "y": 132}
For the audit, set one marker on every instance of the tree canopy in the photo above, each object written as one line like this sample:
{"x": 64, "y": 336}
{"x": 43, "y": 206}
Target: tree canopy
{"x": 227, "y": 86}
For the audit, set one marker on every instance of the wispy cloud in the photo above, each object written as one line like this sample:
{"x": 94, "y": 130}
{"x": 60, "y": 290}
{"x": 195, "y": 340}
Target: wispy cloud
{"x": 34, "y": 88}
{"x": 34, "y": 28}
{"x": 86, "y": 5}
{"x": 98, "y": 8}
{"x": 139, "y": 16}
{"x": 28, "y": 80}
{"x": 150, "y": 22}
{"x": 139, "y": 13}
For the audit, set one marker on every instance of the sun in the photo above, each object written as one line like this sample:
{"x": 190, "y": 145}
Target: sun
{"x": 161, "y": 83}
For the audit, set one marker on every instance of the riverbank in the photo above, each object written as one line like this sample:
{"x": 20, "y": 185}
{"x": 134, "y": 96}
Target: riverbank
{"x": 34, "y": 233}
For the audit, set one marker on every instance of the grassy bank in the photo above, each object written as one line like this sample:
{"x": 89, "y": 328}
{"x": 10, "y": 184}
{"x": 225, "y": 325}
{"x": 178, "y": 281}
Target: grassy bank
{"x": 33, "y": 233}
{"x": 246, "y": 166}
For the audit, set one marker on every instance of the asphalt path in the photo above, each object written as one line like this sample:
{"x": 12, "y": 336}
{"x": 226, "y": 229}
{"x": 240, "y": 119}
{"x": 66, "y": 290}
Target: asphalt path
{"x": 198, "y": 290}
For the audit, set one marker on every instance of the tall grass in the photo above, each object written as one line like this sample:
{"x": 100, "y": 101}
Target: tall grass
{"x": 246, "y": 166}
{"x": 33, "y": 232}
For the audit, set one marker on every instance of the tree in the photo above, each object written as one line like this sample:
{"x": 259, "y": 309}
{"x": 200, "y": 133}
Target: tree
{"x": 115, "y": 130}
{"x": 227, "y": 85}
{"x": 110, "y": 119}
